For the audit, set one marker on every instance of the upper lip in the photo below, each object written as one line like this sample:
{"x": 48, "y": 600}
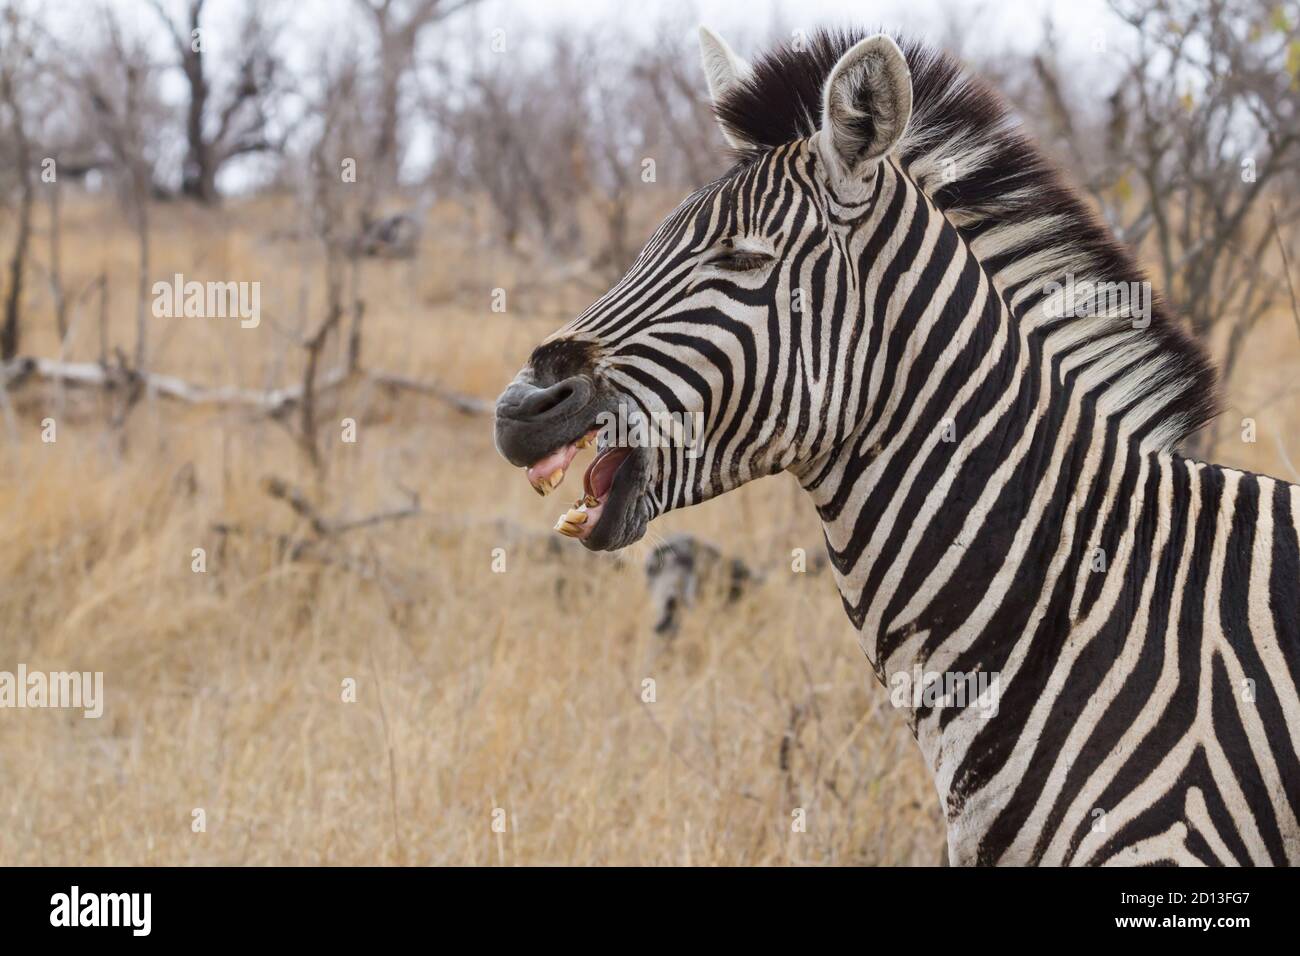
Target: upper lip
{"x": 547, "y": 472}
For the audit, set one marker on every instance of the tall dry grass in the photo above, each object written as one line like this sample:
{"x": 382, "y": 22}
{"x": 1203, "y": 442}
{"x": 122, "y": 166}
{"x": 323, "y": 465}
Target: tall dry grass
{"x": 477, "y": 691}
{"x": 519, "y": 692}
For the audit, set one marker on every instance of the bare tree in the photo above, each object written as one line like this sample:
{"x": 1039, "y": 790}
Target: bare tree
{"x": 566, "y": 143}
{"x": 116, "y": 85}
{"x": 16, "y": 59}
{"x": 1200, "y": 129}
{"x": 227, "y": 121}
{"x": 397, "y": 27}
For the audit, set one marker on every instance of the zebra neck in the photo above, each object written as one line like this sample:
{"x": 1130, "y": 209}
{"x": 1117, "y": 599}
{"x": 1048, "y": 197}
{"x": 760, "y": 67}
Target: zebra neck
{"x": 969, "y": 499}
{"x": 974, "y": 425}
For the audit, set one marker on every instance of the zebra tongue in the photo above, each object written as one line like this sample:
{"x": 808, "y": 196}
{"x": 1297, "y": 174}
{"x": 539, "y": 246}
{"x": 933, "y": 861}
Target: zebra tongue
{"x": 600, "y": 474}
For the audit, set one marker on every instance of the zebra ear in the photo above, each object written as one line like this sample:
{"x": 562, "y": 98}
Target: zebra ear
{"x": 724, "y": 70}
{"x": 866, "y": 104}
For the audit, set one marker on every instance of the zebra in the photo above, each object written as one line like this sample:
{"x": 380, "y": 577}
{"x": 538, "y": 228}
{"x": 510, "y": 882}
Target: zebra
{"x": 683, "y": 571}
{"x": 870, "y": 299}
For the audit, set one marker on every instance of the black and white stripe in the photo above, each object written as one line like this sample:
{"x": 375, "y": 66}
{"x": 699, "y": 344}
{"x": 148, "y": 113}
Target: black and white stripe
{"x": 971, "y": 454}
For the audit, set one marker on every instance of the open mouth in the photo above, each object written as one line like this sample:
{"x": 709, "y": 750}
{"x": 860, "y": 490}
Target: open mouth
{"x": 608, "y": 481}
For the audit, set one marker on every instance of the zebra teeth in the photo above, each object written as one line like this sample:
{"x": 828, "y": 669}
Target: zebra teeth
{"x": 545, "y": 484}
{"x": 568, "y": 528}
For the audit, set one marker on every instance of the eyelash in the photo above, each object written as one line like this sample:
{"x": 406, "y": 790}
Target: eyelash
{"x": 741, "y": 261}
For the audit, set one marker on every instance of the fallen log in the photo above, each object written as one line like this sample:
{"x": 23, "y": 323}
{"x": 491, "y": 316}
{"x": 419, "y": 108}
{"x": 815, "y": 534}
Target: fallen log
{"x": 274, "y": 401}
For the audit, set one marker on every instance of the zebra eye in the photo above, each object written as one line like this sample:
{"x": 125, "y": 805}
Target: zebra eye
{"x": 738, "y": 260}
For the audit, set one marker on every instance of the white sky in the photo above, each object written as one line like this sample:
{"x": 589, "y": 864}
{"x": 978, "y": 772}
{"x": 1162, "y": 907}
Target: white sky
{"x": 313, "y": 23}
{"x": 1010, "y": 22}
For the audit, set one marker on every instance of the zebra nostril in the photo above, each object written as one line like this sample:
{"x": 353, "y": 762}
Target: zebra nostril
{"x": 528, "y": 404}
{"x": 550, "y": 398}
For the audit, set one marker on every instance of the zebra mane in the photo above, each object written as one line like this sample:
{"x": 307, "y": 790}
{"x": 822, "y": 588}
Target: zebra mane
{"x": 965, "y": 149}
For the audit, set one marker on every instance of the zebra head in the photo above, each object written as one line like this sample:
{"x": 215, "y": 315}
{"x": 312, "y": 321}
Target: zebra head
{"x": 711, "y": 362}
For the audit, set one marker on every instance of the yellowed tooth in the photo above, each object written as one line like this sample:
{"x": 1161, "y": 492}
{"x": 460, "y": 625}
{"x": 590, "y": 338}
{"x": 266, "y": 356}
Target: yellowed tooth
{"x": 544, "y": 486}
{"x": 575, "y": 516}
{"x": 590, "y": 501}
{"x": 565, "y": 528}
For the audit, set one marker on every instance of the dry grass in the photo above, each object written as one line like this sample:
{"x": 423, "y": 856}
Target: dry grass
{"x": 476, "y": 690}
